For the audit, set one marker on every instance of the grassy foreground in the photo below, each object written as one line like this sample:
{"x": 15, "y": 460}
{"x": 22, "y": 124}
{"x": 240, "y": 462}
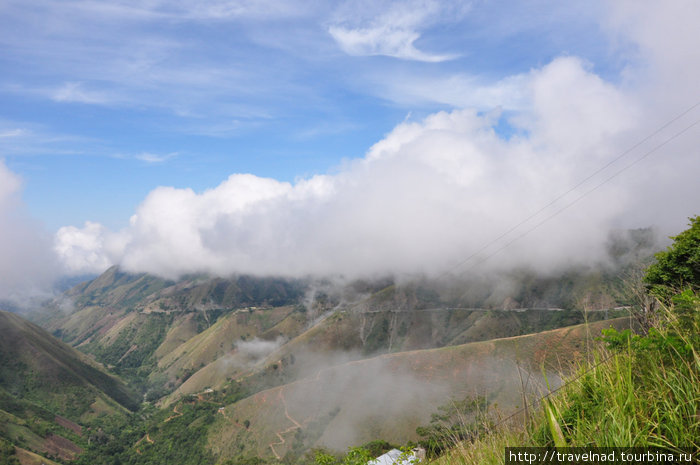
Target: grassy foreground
{"x": 646, "y": 394}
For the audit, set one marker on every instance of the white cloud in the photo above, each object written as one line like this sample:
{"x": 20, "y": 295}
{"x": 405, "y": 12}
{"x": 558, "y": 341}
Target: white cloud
{"x": 182, "y": 10}
{"x": 227, "y": 9}
{"x": 13, "y": 133}
{"x": 27, "y": 265}
{"x": 575, "y": 109}
{"x": 428, "y": 193}
{"x": 23, "y": 138}
{"x": 387, "y": 28}
{"x": 77, "y": 93}
{"x": 662, "y": 38}
{"x": 382, "y": 40}
{"x": 154, "y": 158}
{"x": 82, "y": 251}
{"x": 457, "y": 90}
{"x": 256, "y": 348}
{"x": 9, "y": 184}
{"x": 432, "y": 192}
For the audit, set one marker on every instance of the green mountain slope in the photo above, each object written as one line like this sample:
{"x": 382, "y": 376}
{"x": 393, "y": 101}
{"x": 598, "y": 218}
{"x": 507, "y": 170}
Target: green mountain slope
{"x": 38, "y": 367}
{"x": 48, "y": 389}
{"x": 183, "y": 336}
{"x": 129, "y": 322}
{"x": 245, "y": 367}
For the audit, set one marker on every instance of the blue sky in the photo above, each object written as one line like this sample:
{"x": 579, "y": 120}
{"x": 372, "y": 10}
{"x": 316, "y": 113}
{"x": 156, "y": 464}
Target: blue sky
{"x": 352, "y": 138}
{"x": 116, "y": 98}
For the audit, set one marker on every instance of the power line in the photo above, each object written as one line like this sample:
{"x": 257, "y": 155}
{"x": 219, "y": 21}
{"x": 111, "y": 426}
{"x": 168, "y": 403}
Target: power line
{"x": 576, "y": 200}
{"x": 565, "y": 207}
{"x": 561, "y": 196}
{"x": 548, "y": 218}
{"x": 556, "y": 213}
{"x": 572, "y": 189}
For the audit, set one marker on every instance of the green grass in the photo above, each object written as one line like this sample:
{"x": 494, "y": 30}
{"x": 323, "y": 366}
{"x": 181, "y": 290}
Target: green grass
{"x": 640, "y": 392}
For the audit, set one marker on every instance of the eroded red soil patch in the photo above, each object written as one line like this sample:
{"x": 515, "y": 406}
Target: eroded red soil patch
{"x": 61, "y": 447}
{"x": 66, "y": 423}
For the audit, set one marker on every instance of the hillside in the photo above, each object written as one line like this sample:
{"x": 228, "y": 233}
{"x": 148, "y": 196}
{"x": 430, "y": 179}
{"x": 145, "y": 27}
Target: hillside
{"x": 641, "y": 390}
{"x": 38, "y": 367}
{"x": 48, "y": 389}
{"x": 228, "y": 366}
{"x": 355, "y": 335}
{"x": 183, "y": 336}
{"x": 387, "y": 397}
{"x": 128, "y": 322}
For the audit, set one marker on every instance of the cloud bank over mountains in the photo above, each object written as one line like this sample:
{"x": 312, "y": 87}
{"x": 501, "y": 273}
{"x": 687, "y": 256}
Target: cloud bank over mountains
{"x": 429, "y": 194}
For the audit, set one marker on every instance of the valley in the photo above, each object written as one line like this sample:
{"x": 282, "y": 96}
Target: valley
{"x": 240, "y": 232}
{"x": 241, "y": 369}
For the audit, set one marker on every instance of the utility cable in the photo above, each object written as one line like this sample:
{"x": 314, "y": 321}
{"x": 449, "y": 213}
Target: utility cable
{"x": 576, "y": 200}
{"x": 572, "y": 189}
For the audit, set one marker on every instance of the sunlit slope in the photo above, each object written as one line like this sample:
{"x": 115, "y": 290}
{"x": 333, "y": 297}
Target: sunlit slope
{"x": 185, "y": 335}
{"x": 212, "y": 358}
{"x": 360, "y": 334}
{"x": 227, "y": 348}
{"x": 431, "y": 315}
{"x": 388, "y": 396}
{"x": 115, "y": 288}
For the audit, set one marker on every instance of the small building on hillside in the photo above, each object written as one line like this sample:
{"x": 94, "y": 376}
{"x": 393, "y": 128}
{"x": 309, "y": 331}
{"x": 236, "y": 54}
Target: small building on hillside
{"x": 396, "y": 457}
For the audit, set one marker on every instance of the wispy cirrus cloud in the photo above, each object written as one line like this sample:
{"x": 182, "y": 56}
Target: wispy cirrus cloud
{"x": 154, "y": 158}
{"x": 6, "y": 133}
{"x": 149, "y": 158}
{"x": 460, "y": 90}
{"x": 26, "y": 138}
{"x": 182, "y": 10}
{"x": 77, "y": 92}
{"x": 146, "y": 55}
{"x": 389, "y": 28}
{"x": 384, "y": 39}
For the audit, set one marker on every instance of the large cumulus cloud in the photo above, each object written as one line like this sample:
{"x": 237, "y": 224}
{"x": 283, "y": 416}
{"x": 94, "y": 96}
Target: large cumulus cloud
{"x": 434, "y": 191}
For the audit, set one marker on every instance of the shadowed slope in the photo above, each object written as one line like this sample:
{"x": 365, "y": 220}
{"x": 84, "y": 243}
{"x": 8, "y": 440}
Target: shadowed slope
{"x": 38, "y": 367}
